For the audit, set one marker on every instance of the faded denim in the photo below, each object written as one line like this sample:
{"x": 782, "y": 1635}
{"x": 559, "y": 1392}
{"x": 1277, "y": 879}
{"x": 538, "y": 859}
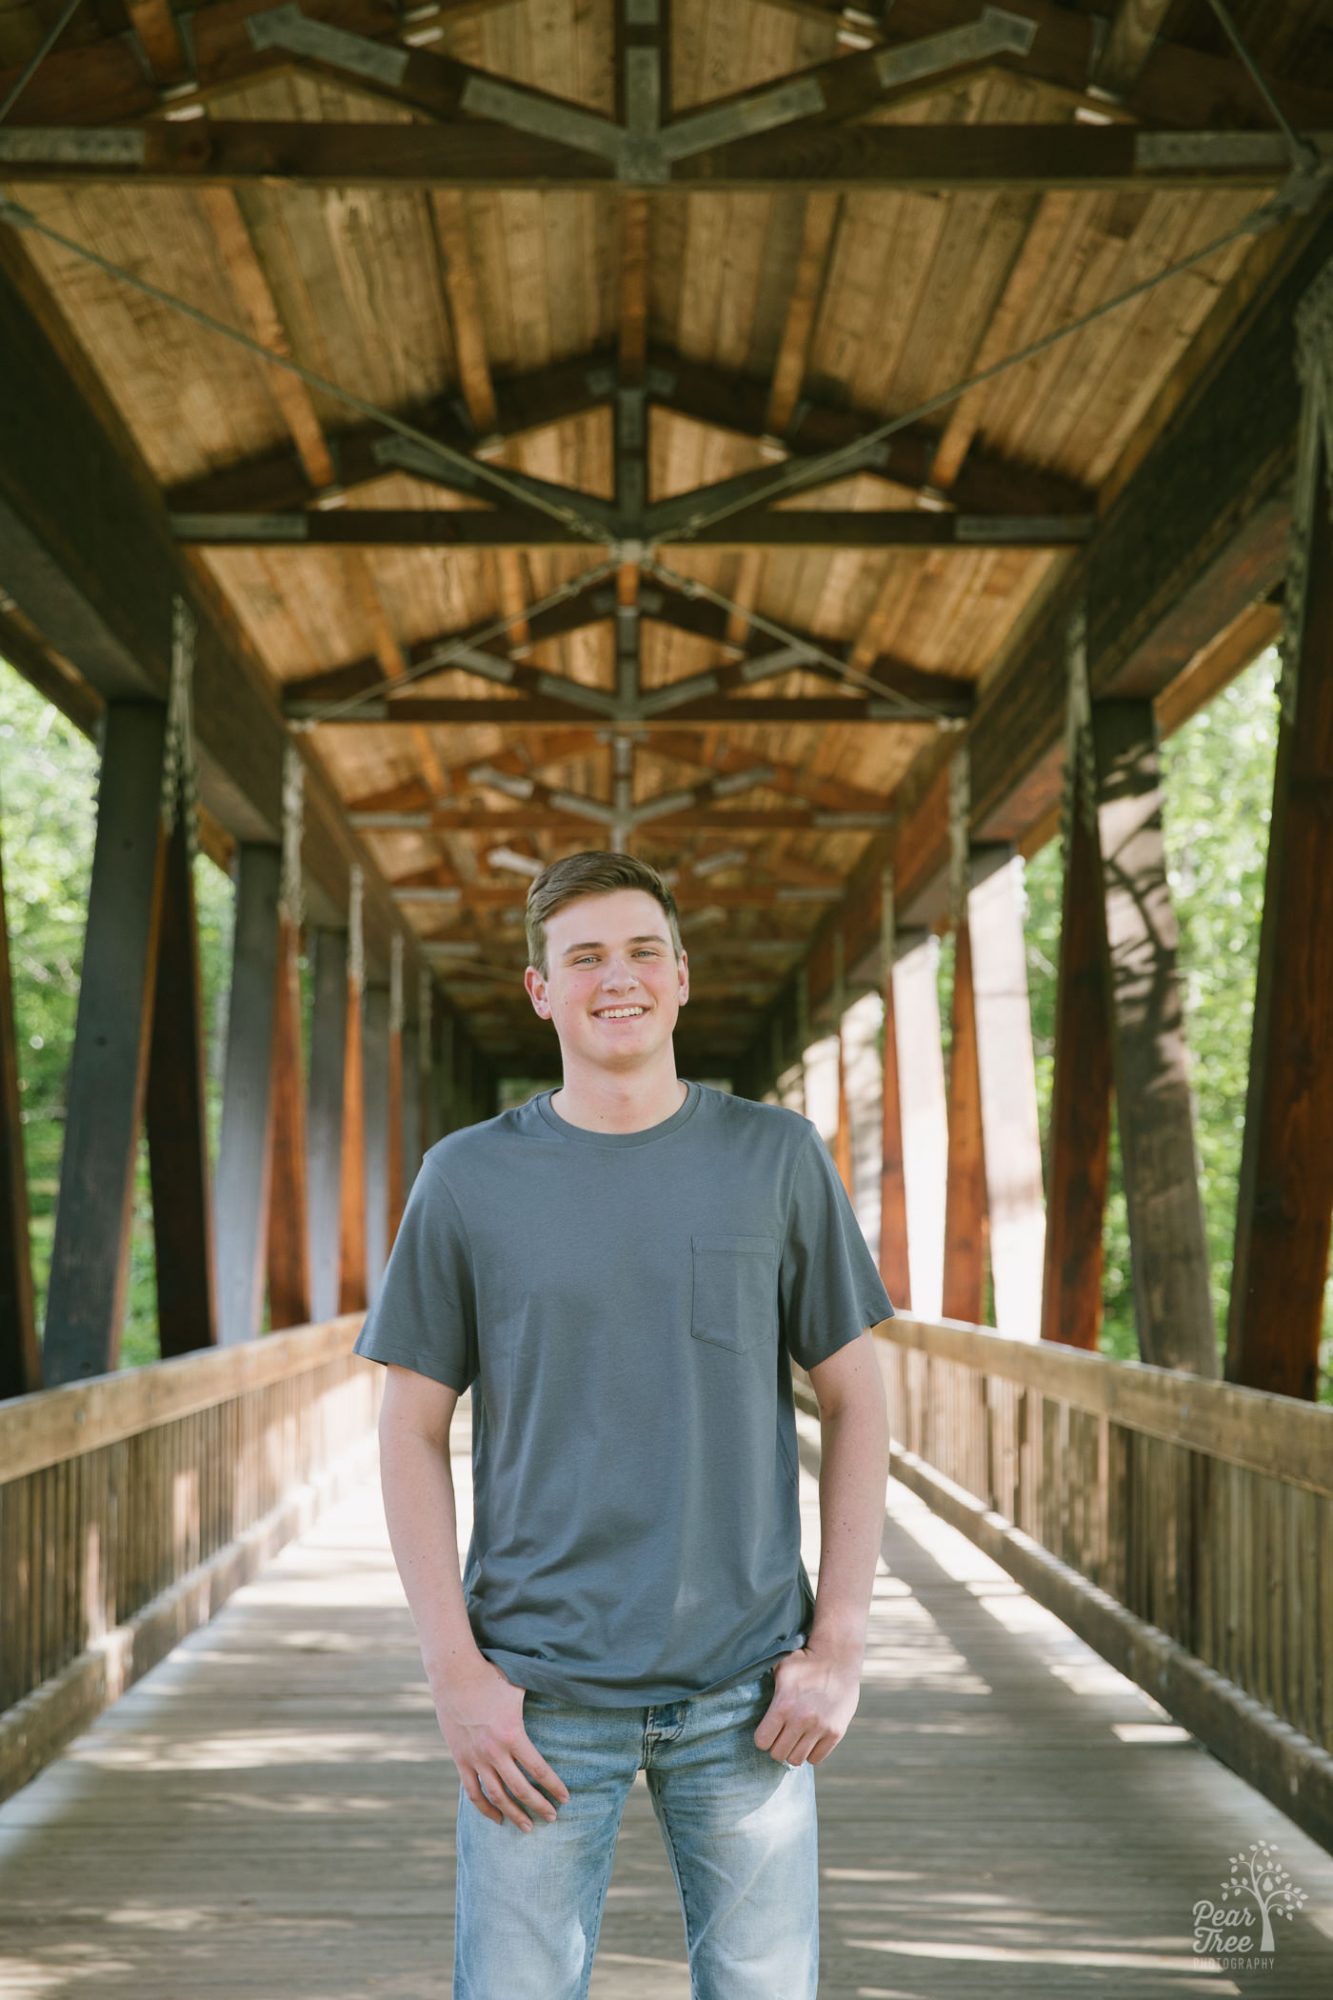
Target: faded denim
{"x": 740, "y": 1834}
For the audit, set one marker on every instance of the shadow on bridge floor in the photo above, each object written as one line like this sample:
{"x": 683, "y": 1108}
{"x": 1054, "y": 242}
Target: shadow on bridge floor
{"x": 269, "y": 1814}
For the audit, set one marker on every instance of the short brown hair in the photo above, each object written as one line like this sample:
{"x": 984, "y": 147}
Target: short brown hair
{"x": 595, "y": 872}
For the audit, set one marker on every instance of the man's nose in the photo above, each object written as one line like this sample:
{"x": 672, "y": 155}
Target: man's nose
{"x": 619, "y": 972}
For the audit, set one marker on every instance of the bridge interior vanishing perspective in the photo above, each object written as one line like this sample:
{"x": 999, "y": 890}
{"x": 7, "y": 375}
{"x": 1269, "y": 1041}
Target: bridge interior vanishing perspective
{"x": 825, "y": 452}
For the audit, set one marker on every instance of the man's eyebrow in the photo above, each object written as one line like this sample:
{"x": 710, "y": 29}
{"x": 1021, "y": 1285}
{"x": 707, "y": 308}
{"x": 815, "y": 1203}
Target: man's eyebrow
{"x": 595, "y": 944}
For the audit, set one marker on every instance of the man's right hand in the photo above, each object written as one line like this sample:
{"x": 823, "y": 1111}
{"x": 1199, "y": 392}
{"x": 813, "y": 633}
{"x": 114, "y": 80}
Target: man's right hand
{"x": 480, "y": 1713}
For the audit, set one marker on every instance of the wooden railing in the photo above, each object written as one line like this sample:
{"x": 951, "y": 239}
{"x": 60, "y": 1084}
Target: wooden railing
{"x": 133, "y": 1504}
{"x": 1182, "y": 1527}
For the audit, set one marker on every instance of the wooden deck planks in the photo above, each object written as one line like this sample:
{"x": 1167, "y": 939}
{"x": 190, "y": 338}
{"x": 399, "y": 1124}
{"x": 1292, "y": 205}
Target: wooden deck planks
{"x": 271, "y": 1810}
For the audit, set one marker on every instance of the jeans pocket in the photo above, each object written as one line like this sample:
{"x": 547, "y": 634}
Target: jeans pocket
{"x": 735, "y": 1296}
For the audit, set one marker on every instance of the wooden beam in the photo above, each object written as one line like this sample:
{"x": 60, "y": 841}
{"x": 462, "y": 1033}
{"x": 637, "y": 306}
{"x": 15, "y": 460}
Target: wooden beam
{"x": 90, "y": 1256}
{"x": 1080, "y": 1135}
{"x": 507, "y": 527}
{"x": 1168, "y": 1246}
{"x": 1010, "y": 1129}
{"x": 1135, "y": 26}
{"x": 459, "y": 158}
{"x": 375, "y": 1060}
{"x": 177, "y": 1121}
{"x": 86, "y": 551}
{"x": 739, "y": 404}
{"x": 324, "y": 1106}
{"x": 894, "y": 1261}
{"x": 288, "y": 1239}
{"x": 741, "y": 709}
{"x": 965, "y": 1219}
{"x": 20, "y": 1354}
{"x": 916, "y": 1006}
{"x": 105, "y": 81}
{"x": 245, "y": 1152}
{"x": 1286, "y": 1183}
{"x": 352, "y": 1294}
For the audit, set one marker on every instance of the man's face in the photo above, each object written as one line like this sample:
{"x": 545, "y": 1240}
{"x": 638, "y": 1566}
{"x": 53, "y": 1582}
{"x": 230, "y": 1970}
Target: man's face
{"x": 614, "y": 986}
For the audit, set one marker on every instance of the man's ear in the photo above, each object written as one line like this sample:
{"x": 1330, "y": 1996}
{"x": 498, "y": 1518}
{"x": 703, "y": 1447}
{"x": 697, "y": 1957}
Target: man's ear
{"x": 535, "y": 987}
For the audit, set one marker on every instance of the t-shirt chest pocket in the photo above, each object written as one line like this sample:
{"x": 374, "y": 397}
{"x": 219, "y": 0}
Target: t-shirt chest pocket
{"x": 735, "y": 1297}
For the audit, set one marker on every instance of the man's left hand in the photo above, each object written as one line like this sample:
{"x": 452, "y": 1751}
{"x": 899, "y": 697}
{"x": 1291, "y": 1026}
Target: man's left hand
{"x": 814, "y": 1699}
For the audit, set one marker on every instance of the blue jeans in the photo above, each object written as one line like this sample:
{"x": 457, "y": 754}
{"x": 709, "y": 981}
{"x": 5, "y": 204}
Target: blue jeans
{"x": 740, "y": 1834}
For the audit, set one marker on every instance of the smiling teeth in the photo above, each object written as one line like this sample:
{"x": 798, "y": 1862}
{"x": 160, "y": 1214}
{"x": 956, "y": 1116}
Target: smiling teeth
{"x": 619, "y": 1013}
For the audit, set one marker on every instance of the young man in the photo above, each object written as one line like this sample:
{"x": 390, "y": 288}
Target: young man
{"x": 622, "y": 1270}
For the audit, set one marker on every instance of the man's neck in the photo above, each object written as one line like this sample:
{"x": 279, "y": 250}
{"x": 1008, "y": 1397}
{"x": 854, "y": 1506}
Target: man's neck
{"x": 618, "y": 1104}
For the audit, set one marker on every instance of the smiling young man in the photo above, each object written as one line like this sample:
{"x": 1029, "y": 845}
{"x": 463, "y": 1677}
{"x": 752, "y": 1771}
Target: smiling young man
{"x": 624, "y": 1269}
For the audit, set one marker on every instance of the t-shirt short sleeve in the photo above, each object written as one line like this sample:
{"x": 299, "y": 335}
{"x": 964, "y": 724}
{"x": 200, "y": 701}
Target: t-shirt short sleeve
{"x": 424, "y": 1314}
{"x": 829, "y": 1286}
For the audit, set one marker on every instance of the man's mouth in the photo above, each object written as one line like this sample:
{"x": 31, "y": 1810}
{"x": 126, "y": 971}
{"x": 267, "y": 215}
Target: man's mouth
{"x": 619, "y": 1013}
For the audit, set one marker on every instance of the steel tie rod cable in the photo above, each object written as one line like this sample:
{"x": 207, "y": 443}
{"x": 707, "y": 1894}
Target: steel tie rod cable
{"x": 35, "y": 61}
{"x": 23, "y": 218}
{"x": 832, "y": 461}
{"x": 439, "y": 658}
{"x": 690, "y": 586}
{"x": 1303, "y": 154}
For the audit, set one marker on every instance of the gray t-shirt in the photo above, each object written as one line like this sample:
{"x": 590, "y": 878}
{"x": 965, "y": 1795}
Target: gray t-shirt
{"x": 624, "y": 1306}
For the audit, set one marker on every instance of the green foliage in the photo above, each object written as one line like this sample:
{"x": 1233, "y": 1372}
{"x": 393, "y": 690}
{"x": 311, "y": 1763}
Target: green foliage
{"x": 48, "y": 814}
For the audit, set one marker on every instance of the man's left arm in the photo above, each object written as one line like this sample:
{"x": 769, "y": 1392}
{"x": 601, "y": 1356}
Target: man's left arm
{"x": 818, "y": 1686}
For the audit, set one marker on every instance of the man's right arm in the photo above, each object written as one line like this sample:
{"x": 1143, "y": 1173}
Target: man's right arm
{"x": 480, "y": 1711}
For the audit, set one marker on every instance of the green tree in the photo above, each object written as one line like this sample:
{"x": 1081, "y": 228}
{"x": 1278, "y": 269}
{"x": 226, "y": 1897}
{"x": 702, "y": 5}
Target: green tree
{"x": 48, "y": 816}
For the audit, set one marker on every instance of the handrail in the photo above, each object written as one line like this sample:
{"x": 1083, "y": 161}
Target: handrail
{"x": 1183, "y": 1527}
{"x": 1273, "y": 1435}
{"x": 133, "y": 1504}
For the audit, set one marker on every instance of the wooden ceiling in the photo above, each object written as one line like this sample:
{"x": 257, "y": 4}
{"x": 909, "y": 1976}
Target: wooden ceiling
{"x": 569, "y": 334}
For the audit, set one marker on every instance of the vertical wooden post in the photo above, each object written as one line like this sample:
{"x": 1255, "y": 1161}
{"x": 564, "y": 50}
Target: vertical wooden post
{"x": 894, "y": 1267}
{"x": 289, "y": 1301}
{"x": 288, "y": 1221}
{"x": 1011, "y": 1131}
{"x": 90, "y": 1256}
{"x": 394, "y": 1168}
{"x": 1080, "y": 1134}
{"x": 916, "y": 1006}
{"x": 375, "y": 1016}
{"x": 245, "y": 1146}
{"x": 1286, "y": 1181}
{"x": 965, "y": 1201}
{"x": 352, "y": 1177}
{"x": 176, "y": 1117}
{"x": 428, "y": 1130}
{"x": 328, "y": 1035}
{"x": 410, "y": 1146}
{"x": 20, "y": 1355}
{"x": 803, "y": 1032}
{"x": 1168, "y": 1248}
{"x": 842, "y": 1137}
{"x": 446, "y": 1086}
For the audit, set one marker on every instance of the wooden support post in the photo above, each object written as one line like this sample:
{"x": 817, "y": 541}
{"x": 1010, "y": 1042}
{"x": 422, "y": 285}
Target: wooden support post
{"x": 842, "y": 1135}
{"x": 1011, "y": 1131}
{"x": 245, "y": 1146}
{"x": 352, "y": 1178}
{"x": 328, "y": 1034}
{"x": 1286, "y": 1181}
{"x": 446, "y": 1084}
{"x": 90, "y": 1257}
{"x": 395, "y": 1178}
{"x": 916, "y": 1006}
{"x": 289, "y": 1301}
{"x": 965, "y": 1203}
{"x": 20, "y": 1355}
{"x": 375, "y": 1016}
{"x": 1081, "y": 1096}
{"x": 410, "y": 1146}
{"x": 176, "y": 1117}
{"x": 894, "y": 1266}
{"x": 1168, "y": 1248}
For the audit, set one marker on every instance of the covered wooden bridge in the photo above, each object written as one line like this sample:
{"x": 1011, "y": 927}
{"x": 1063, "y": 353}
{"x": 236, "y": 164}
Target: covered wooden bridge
{"x": 824, "y": 452}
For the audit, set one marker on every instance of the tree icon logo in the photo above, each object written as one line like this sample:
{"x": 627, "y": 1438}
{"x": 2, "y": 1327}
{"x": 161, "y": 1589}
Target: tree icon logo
{"x": 1258, "y": 1879}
